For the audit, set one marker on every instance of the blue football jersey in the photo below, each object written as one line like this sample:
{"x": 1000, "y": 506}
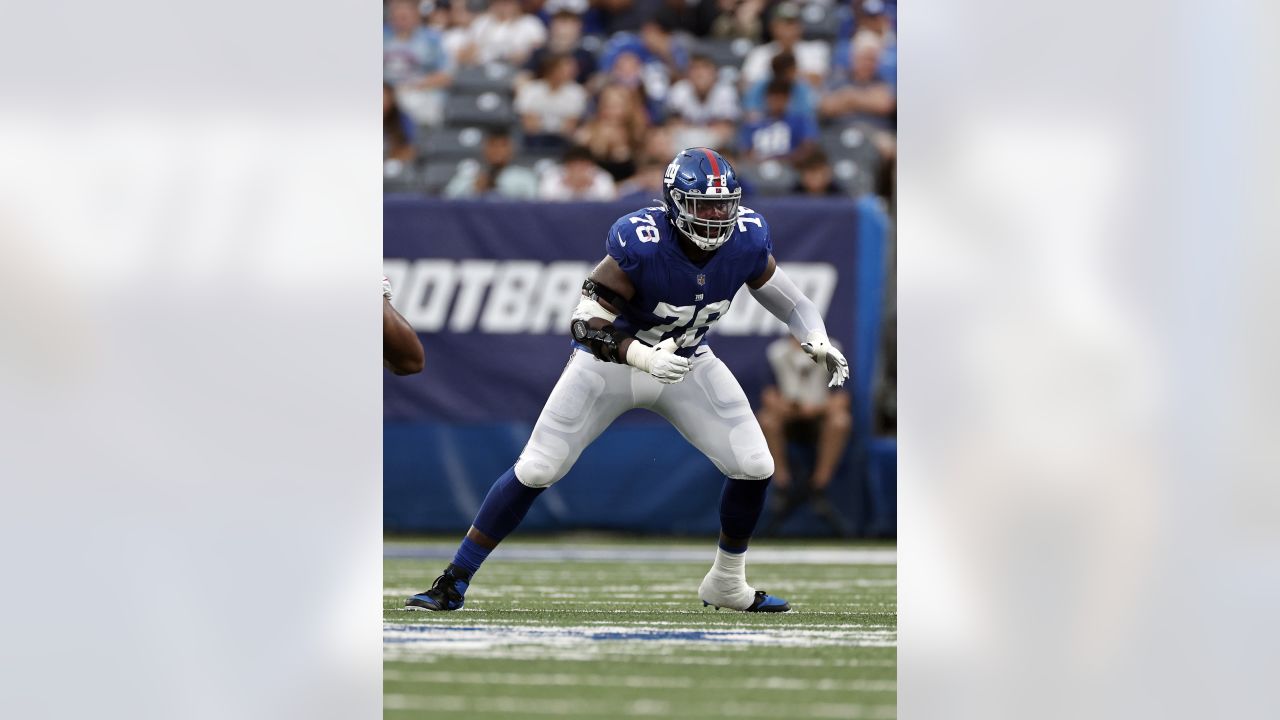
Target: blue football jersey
{"x": 674, "y": 297}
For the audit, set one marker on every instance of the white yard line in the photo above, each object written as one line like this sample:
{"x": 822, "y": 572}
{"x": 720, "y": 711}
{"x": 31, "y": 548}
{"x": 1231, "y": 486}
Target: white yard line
{"x": 635, "y": 708}
{"x": 646, "y": 592}
{"x": 632, "y": 680}
{"x": 658, "y": 656}
{"x": 691, "y": 554}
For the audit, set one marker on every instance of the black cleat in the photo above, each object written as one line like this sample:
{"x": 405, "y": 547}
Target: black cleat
{"x": 446, "y": 592}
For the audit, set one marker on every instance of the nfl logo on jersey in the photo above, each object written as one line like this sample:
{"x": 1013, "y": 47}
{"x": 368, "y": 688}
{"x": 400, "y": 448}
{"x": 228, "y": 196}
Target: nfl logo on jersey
{"x": 702, "y": 279}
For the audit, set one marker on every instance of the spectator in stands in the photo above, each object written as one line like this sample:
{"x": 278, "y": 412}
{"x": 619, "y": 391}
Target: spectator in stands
{"x": 663, "y": 47}
{"x": 731, "y": 156}
{"x": 550, "y": 107}
{"x": 398, "y": 131}
{"x": 804, "y": 98}
{"x": 506, "y": 34}
{"x": 564, "y": 37}
{"x": 659, "y": 143}
{"x": 414, "y": 61}
{"x": 862, "y": 96}
{"x": 457, "y": 38}
{"x": 625, "y": 15}
{"x": 815, "y": 176}
{"x": 738, "y": 19}
{"x": 649, "y": 59}
{"x": 693, "y": 17}
{"x": 812, "y": 57}
{"x": 646, "y": 184}
{"x": 627, "y": 69}
{"x": 800, "y": 408}
{"x": 702, "y": 99}
{"x": 615, "y": 132}
{"x": 577, "y": 177}
{"x": 872, "y": 17}
{"x": 655, "y": 155}
{"x": 779, "y": 135}
{"x": 435, "y": 15}
{"x": 702, "y": 110}
{"x": 496, "y": 176}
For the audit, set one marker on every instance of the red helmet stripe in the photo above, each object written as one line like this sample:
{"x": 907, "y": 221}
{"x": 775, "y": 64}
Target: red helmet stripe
{"x": 715, "y": 167}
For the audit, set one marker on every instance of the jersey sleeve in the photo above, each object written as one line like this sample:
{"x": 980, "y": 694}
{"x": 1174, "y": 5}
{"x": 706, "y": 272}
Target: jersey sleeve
{"x": 763, "y": 248}
{"x": 620, "y": 244}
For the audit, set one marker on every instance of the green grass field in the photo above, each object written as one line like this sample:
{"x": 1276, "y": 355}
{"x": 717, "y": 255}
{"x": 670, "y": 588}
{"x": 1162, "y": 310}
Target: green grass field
{"x": 591, "y": 628}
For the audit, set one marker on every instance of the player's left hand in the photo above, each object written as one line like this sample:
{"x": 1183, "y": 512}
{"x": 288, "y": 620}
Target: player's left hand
{"x": 386, "y": 287}
{"x": 824, "y": 353}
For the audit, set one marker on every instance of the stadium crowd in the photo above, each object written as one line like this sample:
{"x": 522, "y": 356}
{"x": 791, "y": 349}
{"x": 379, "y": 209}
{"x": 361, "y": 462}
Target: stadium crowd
{"x": 590, "y": 99}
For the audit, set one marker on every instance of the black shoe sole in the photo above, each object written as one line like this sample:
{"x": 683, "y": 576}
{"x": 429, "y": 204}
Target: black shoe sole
{"x": 419, "y": 605}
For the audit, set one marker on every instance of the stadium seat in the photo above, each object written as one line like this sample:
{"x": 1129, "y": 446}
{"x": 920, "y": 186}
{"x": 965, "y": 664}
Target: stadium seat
{"x": 855, "y": 179}
{"x": 529, "y": 157}
{"x": 820, "y": 22}
{"x": 593, "y": 44}
{"x": 476, "y": 79}
{"x": 768, "y": 178}
{"x": 537, "y": 165}
{"x": 398, "y": 177}
{"x": 487, "y": 108}
{"x": 438, "y": 174}
{"x": 723, "y": 52}
{"x": 853, "y": 157}
{"x": 452, "y": 143}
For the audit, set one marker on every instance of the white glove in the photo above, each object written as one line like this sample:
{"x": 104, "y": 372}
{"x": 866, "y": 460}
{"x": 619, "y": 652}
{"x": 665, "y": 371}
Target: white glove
{"x": 823, "y": 352}
{"x": 386, "y": 287}
{"x": 659, "y": 361}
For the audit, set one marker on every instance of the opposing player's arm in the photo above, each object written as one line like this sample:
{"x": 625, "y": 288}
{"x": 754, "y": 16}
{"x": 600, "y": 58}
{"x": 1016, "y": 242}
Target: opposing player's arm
{"x": 401, "y": 349}
{"x": 780, "y": 296}
{"x": 605, "y": 295}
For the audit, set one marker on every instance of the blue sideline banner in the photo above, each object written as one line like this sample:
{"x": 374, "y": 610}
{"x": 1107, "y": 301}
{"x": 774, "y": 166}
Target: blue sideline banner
{"x": 490, "y": 287}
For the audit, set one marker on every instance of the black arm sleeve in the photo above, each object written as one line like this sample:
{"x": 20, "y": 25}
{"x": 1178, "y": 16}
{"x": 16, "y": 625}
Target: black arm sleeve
{"x": 597, "y": 292}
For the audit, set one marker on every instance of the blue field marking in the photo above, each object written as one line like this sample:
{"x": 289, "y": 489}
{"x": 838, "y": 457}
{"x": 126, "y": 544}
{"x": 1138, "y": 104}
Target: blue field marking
{"x": 484, "y": 638}
{"x": 580, "y": 553}
{"x": 575, "y": 633}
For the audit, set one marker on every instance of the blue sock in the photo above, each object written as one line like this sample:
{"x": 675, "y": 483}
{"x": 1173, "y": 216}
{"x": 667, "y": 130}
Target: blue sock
{"x": 470, "y": 555}
{"x": 741, "y": 503}
{"x": 503, "y": 508}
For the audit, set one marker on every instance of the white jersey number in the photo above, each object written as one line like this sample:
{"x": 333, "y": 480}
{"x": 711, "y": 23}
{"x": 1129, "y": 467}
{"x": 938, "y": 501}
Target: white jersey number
{"x": 648, "y": 230}
{"x": 682, "y": 316}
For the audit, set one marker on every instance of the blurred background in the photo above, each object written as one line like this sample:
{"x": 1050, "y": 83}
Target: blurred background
{"x": 514, "y": 133}
{"x": 1086, "y": 208}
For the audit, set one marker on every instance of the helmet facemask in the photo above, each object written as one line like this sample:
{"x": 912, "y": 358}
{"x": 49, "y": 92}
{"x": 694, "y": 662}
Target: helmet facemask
{"x": 707, "y": 219}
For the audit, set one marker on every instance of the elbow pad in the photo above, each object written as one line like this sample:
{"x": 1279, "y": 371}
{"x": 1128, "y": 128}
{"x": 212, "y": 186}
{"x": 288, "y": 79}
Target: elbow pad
{"x": 589, "y": 307}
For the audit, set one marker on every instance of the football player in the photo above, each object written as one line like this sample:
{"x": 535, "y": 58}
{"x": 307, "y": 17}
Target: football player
{"x": 401, "y": 349}
{"x": 639, "y": 331}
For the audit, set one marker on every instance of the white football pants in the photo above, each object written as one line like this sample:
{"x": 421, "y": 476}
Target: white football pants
{"x": 708, "y": 407}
